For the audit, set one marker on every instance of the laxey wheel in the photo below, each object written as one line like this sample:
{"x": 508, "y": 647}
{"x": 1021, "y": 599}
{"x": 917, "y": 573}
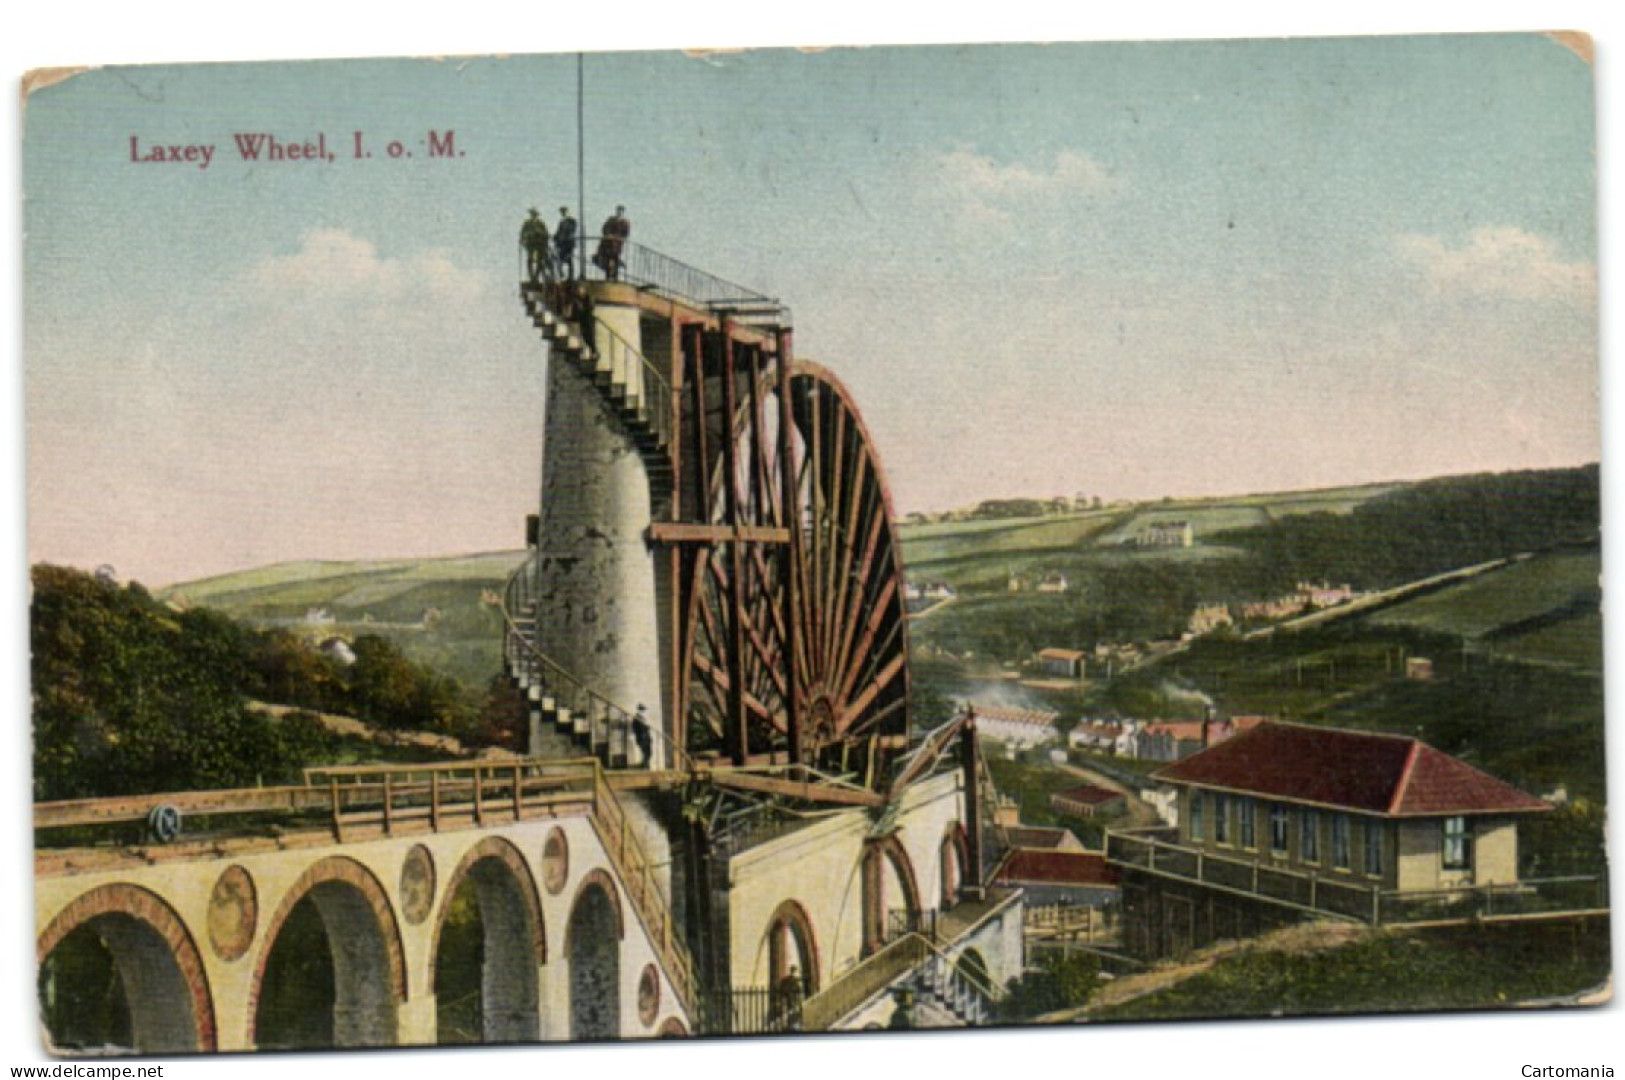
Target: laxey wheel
{"x": 806, "y": 608}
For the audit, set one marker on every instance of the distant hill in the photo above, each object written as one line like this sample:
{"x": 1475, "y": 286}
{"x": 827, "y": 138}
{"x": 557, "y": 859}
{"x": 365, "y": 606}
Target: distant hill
{"x": 1431, "y": 527}
{"x": 438, "y": 611}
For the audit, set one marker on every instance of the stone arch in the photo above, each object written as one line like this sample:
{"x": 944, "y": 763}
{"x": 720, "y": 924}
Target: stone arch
{"x": 792, "y": 942}
{"x": 878, "y": 855}
{"x": 954, "y": 863}
{"x": 157, "y": 961}
{"x": 970, "y": 964}
{"x": 592, "y": 945}
{"x": 364, "y": 939}
{"x": 672, "y": 1028}
{"x": 602, "y": 880}
{"x": 515, "y": 938}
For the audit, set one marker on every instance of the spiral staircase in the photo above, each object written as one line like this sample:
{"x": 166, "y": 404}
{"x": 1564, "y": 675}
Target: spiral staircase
{"x": 566, "y": 716}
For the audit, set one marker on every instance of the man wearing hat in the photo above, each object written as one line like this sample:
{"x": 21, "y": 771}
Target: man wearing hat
{"x": 533, "y": 238}
{"x": 564, "y": 244}
{"x": 616, "y": 230}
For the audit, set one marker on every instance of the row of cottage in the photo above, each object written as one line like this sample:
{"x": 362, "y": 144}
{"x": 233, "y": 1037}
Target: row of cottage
{"x": 1143, "y": 740}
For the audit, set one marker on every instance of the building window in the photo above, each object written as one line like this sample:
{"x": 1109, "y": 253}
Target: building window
{"x": 1221, "y": 818}
{"x": 1278, "y": 830}
{"x": 1373, "y": 848}
{"x": 1309, "y": 836}
{"x": 1458, "y": 848}
{"x": 1197, "y": 799}
{"x": 1340, "y": 841}
{"x": 1244, "y": 809}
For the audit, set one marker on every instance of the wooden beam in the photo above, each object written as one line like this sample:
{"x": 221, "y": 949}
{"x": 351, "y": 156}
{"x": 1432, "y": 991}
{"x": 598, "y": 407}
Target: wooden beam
{"x": 57, "y": 815}
{"x": 797, "y": 789}
{"x": 671, "y": 532}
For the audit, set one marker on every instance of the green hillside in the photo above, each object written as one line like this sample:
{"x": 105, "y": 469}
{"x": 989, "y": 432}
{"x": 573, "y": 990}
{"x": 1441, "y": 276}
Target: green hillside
{"x": 437, "y": 611}
{"x": 1544, "y": 611}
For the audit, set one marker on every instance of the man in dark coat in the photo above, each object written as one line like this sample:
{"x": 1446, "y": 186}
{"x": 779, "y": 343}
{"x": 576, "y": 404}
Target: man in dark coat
{"x": 564, "y": 243}
{"x": 533, "y": 238}
{"x": 643, "y": 736}
{"x": 612, "y": 243}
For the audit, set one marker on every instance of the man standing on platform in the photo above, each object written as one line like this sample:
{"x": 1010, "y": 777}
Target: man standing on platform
{"x": 612, "y": 243}
{"x": 564, "y": 244}
{"x": 533, "y": 238}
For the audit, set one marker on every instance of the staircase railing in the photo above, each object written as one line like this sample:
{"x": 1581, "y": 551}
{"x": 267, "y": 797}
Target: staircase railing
{"x": 652, "y": 396}
{"x": 882, "y": 968}
{"x": 603, "y": 717}
{"x": 642, "y": 885}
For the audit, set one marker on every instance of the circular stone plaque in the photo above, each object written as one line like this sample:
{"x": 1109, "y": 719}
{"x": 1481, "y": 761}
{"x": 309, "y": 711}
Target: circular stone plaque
{"x": 417, "y": 885}
{"x": 555, "y": 862}
{"x": 234, "y": 911}
{"x": 648, "y": 995}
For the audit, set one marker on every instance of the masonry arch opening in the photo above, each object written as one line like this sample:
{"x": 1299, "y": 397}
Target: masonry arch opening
{"x": 891, "y": 894}
{"x": 488, "y": 948}
{"x": 593, "y": 943}
{"x": 330, "y": 971}
{"x": 118, "y": 970}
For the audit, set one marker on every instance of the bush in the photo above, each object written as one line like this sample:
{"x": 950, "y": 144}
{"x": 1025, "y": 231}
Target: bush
{"x": 1060, "y": 982}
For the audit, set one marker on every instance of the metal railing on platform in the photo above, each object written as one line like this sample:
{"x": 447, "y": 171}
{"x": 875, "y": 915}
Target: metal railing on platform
{"x": 650, "y": 269}
{"x": 1153, "y": 850}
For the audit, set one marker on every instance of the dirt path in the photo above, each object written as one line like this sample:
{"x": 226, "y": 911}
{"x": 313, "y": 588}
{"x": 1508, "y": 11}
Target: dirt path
{"x": 350, "y": 727}
{"x": 1139, "y": 812}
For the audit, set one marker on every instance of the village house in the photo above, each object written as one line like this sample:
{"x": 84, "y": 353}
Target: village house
{"x": 1178, "y": 739}
{"x": 1087, "y": 800}
{"x": 1062, "y": 663}
{"x": 1287, "y": 821}
{"x": 1102, "y": 736}
{"x": 1325, "y": 596}
{"x": 1166, "y": 534}
{"x": 1065, "y": 879}
{"x": 1052, "y": 582}
{"x": 1209, "y": 617}
{"x": 1041, "y": 838}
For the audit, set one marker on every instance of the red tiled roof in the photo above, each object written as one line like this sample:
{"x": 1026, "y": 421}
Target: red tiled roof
{"x": 1029, "y": 836}
{"x": 1028, "y": 867}
{"x": 1358, "y": 770}
{"x": 1180, "y": 729}
{"x": 1088, "y": 793}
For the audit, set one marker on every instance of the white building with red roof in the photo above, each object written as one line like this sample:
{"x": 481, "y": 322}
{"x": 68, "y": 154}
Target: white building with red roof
{"x": 1286, "y": 820}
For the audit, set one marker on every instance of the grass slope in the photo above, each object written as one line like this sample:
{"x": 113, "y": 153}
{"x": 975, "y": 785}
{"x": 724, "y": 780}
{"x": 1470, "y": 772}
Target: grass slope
{"x": 1484, "y": 967}
{"x": 1513, "y": 594}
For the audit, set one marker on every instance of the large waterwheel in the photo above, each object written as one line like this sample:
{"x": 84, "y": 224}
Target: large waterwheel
{"x": 792, "y": 643}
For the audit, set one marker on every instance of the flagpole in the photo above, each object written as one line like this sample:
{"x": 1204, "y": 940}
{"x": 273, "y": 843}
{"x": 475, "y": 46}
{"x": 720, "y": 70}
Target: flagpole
{"x": 581, "y": 162}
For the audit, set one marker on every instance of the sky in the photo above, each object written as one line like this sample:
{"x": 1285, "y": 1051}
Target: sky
{"x": 1128, "y": 270}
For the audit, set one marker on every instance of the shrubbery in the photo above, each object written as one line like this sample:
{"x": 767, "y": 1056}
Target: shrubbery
{"x": 132, "y": 695}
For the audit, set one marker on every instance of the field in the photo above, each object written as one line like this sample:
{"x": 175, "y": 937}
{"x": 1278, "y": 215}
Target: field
{"x": 1494, "y": 602}
{"x": 926, "y": 544}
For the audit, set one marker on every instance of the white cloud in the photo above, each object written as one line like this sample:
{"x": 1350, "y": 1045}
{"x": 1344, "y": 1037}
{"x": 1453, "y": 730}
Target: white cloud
{"x": 990, "y": 192}
{"x": 1503, "y": 262}
{"x": 335, "y": 265}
